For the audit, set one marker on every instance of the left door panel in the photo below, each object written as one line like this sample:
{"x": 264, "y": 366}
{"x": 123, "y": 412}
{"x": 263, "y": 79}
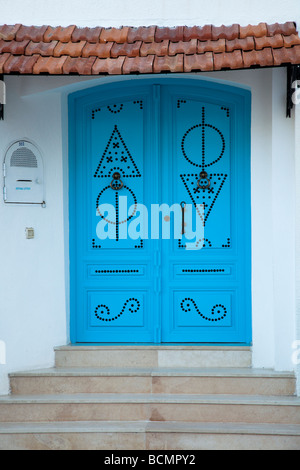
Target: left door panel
{"x": 113, "y": 276}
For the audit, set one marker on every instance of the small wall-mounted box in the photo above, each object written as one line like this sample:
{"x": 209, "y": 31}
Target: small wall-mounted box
{"x": 23, "y": 174}
{"x": 29, "y": 232}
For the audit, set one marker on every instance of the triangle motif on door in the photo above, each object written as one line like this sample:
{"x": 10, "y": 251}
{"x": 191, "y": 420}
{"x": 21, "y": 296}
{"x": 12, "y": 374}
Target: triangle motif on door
{"x": 116, "y": 157}
{"x": 206, "y": 197}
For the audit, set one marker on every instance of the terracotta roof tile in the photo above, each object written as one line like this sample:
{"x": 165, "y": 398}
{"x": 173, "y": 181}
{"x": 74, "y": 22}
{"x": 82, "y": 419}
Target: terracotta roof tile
{"x": 138, "y": 64}
{"x": 41, "y": 48}
{"x": 51, "y": 65}
{"x": 20, "y": 64}
{"x": 114, "y": 35}
{"x": 168, "y": 64}
{"x": 86, "y": 34}
{"x": 79, "y": 65}
{"x": 199, "y": 62}
{"x": 228, "y": 60}
{"x": 291, "y": 40}
{"x": 211, "y": 46}
{"x": 108, "y": 66}
{"x": 129, "y": 50}
{"x": 71, "y": 49}
{"x": 263, "y": 58}
{"x": 8, "y": 32}
{"x": 172, "y": 34}
{"x": 197, "y": 32}
{"x": 287, "y": 56}
{"x": 269, "y": 41}
{"x": 3, "y": 58}
{"x": 183, "y": 47}
{"x": 143, "y": 33}
{"x": 257, "y": 30}
{"x": 246, "y": 44}
{"x": 155, "y": 48}
{"x": 14, "y": 47}
{"x": 286, "y": 29}
{"x": 225, "y": 32}
{"x": 58, "y": 33}
{"x": 145, "y": 49}
{"x": 32, "y": 33}
{"x": 98, "y": 50}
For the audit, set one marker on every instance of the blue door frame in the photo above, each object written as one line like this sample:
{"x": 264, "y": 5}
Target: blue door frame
{"x": 156, "y": 141}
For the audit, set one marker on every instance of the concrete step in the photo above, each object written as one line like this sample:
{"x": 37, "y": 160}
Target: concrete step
{"x": 144, "y": 435}
{"x": 172, "y": 356}
{"x": 150, "y": 407}
{"x": 158, "y": 380}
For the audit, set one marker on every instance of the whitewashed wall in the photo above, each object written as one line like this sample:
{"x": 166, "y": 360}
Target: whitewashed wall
{"x": 139, "y": 12}
{"x": 34, "y": 313}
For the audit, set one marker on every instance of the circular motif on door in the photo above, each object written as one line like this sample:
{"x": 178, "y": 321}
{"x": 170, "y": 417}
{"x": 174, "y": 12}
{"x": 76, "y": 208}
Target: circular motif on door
{"x": 196, "y": 142}
{"x": 109, "y": 197}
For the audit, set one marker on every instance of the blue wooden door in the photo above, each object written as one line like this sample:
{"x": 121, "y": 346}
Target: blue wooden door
{"x": 156, "y": 144}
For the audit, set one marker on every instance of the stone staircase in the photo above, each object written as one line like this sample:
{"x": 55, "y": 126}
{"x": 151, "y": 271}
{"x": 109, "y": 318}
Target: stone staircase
{"x": 153, "y": 398}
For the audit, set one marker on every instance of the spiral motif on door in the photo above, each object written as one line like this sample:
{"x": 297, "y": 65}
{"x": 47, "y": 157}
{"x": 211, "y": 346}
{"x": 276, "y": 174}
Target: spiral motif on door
{"x": 218, "y": 311}
{"x": 102, "y": 312}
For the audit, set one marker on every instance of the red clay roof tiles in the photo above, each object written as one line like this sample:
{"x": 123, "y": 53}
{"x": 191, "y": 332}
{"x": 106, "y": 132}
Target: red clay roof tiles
{"x": 129, "y": 50}
{"x": 183, "y": 47}
{"x": 3, "y": 58}
{"x": 262, "y": 58}
{"x": 108, "y": 66}
{"x": 14, "y": 47}
{"x": 59, "y": 33}
{"x": 172, "y": 34}
{"x": 245, "y": 44}
{"x": 287, "y": 56}
{"x": 145, "y": 49}
{"x": 20, "y": 64}
{"x": 168, "y": 64}
{"x": 97, "y": 50}
{"x": 32, "y": 33}
{"x": 138, "y": 64}
{"x": 275, "y": 41}
{"x": 78, "y": 65}
{"x": 286, "y": 29}
{"x": 143, "y": 33}
{"x": 211, "y": 46}
{"x": 228, "y": 60}
{"x": 8, "y": 32}
{"x": 51, "y": 65}
{"x": 86, "y": 34}
{"x": 114, "y": 35}
{"x": 71, "y": 49}
{"x": 155, "y": 48}
{"x": 256, "y": 31}
{"x": 41, "y": 48}
{"x": 199, "y": 62}
{"x": 225, "y": 32}
{"x": 197, "y": 32}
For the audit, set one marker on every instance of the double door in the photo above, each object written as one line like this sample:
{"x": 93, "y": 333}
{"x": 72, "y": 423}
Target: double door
{"x": 160, "y": 213}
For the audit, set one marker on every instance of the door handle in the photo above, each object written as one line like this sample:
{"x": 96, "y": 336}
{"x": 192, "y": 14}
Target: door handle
{"x": 182, "y": 205}
{"x": 116, "y": 183}
{"x": 204, "y": 181}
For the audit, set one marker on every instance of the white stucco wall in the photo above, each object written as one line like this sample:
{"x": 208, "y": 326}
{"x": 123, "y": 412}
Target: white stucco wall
{"x": 34, "y": 311}
{"x": 138, "y": 12}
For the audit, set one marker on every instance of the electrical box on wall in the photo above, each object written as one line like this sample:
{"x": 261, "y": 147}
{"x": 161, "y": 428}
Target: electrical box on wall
{"x": 23, "y": 174}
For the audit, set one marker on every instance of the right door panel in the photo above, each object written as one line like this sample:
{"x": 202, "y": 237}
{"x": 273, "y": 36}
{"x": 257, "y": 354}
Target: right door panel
{"x": 206, "y": 280}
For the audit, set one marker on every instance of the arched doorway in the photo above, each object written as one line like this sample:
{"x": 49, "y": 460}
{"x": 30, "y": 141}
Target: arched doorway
{"x": 160, "y": 212}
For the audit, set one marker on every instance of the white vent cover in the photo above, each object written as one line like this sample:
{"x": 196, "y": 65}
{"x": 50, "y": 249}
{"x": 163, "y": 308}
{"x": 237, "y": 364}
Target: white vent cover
{"x": 23, "y": 174}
